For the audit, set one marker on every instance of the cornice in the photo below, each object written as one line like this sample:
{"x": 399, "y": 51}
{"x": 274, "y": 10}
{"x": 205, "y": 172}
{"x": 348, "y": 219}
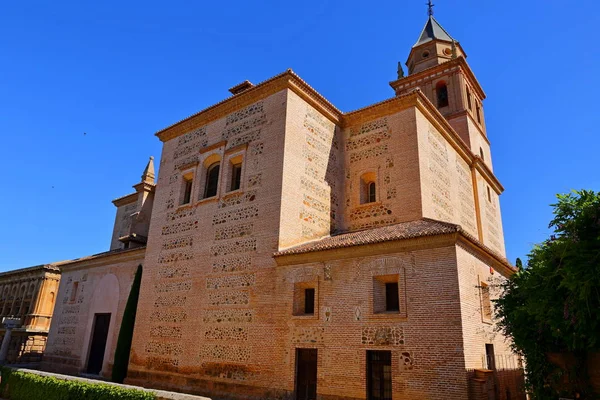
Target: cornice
{"x": 381, "y": 109}
{"x": 149, "y": 187}
{"x": 110, "y": 257}
{"x": 460, "y": 238}
{"x": 34, "y": 272}
{"x": 459, "y": 62}
{"x": 124, "y": 200}
{"x": 367, "y": 250}
{"x": 285, "y": 80}
{"x": 289, "y": 80}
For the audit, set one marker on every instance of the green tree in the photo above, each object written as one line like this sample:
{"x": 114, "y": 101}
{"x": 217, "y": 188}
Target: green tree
{"x": 119, "y": 371}
{"x": 552, "y": 305}
{"x": 519, "y": 264}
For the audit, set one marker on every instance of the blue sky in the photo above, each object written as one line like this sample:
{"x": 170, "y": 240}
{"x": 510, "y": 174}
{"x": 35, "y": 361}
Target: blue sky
{"x": 120, "y": 71}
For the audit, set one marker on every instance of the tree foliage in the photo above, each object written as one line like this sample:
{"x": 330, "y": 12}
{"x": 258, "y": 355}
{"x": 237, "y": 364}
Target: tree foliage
{"x": 119, "y": 371}
{"x": 552, "y": 305}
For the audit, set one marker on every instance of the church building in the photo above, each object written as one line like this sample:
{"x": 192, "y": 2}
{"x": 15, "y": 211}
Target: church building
{"x": 294, "y": 251}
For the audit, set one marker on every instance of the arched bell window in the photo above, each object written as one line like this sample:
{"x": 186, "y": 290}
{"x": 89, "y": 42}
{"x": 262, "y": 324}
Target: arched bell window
{"x": 368, "y": 188}
{"x": 442, "y": 94}
{"x": 212, "y": 180}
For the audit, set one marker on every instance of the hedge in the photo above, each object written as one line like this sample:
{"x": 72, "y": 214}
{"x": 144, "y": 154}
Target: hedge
{"x": 18, "y": 385}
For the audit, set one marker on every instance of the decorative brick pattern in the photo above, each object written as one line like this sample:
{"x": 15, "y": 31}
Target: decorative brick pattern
{"x": 225, "y": 352}
{"x": 228, "y": 298}
{"x": 177, "y": 256}
{"x": 178, "y": 243}
{"x": 308, "y": 335}
{"x": 226, "y": 333}
{"x": 170, "y": 301}
{"x": 174, "y": 272}
{"x": 173, "y": 287}
{"x": 228, "y": 316}
{"x": 228, "y": 282}
{"x": 235, "y": 215}
{"x": 166, "y": 331}
{"x": 236, "y": 246}
{"x": 169, "y": 316}
{"x": 383, "y": 336}
{"x": 232, "y": 264}
{"x": 237, "y": 199}
{"x": 179, "y": 227}
{"x": 164, "y": 349}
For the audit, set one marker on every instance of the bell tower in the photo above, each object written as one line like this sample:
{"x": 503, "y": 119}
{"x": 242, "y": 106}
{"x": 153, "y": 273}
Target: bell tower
{"x": 437, "y": 66}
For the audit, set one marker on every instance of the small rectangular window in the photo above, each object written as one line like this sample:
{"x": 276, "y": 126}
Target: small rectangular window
{"x": 236, "y": 176}
{"x": 392, "y": 302}
{"x": 187, "y": 191}
{"x": 74, "y": 292}
{"x": 486, "y": 304}
{"x": 490, "y": 356}
{"x": 309, "y": 301}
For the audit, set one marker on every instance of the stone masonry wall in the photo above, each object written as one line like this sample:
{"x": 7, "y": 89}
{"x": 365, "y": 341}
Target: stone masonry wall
{"x": 206, "y": 304}
{"x": 446, "y": 181}
{"x": 71, "y": 330}
{"x": 385, "y": 148}
{"x": 312, "y": 181}
{"x": 424, "y": 337}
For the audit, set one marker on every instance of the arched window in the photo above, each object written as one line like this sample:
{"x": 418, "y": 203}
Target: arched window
{"x": 481, "y": 153}
{"x": 442, "y": 94}
{"x": 371, "y": 193}
{"x": 368, "y": 188}
{"x": 478, "y": 110}
{"x": 212, "y": 180}
{"x": 469, "y": 104}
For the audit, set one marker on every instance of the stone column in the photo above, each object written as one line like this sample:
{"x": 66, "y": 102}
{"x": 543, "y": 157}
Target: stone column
{"x": 9, "y": 324}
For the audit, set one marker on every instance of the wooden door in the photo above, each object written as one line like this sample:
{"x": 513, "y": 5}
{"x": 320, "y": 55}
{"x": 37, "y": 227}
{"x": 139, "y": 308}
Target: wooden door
{"x": 98, "y": 345}
{"x": 306, "y": 374}
{"x": 379, "y": 375}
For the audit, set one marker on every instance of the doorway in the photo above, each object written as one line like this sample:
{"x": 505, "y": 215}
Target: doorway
{"x": 379, "y": 375}
{"x": 306, "y": 374}
{"x": 98, "y": 346}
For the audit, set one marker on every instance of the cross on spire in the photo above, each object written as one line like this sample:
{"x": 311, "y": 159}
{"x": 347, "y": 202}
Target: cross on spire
{"x": 430, "y": 8}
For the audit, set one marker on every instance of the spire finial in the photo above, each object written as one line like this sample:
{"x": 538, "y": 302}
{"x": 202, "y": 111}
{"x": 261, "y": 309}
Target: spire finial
{"x": 148, "y": 174}
{"x": 400, "y": 70}
{"x": 430, "y": 8}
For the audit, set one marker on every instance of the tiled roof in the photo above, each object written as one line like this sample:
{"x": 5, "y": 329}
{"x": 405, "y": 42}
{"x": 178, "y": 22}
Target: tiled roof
{"x": 433, "y": 31}
{"x": 403, "y": 230}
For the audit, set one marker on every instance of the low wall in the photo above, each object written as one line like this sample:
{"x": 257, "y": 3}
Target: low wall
{"x": 160, "y": 394}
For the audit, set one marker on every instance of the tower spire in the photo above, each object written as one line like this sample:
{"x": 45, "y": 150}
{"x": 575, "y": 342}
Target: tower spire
{"x": 148, "y": 174}
{"x": 430, "y": 6}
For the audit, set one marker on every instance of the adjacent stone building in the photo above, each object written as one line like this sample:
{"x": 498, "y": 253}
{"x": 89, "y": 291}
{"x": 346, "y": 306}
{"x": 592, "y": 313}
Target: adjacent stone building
{"x": 28, "y": 295}
{"x": 94, "y": 290}
{"x": 293, "y": 250}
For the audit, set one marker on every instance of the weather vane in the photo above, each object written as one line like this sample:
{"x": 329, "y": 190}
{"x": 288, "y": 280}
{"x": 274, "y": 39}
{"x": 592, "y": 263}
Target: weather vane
{"x": 430, "y": 9}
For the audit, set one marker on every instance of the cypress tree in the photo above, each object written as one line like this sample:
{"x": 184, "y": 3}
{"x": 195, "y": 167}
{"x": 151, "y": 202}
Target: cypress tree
{"x": 119, "y": 371}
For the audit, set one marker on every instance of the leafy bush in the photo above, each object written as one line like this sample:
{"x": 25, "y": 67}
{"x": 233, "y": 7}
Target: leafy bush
{"x": 551, "y": 306}
{"x": 18, "y": 385}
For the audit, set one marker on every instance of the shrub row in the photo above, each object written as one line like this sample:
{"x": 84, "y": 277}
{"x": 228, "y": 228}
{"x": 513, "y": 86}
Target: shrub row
{"x": 18, "y": 385}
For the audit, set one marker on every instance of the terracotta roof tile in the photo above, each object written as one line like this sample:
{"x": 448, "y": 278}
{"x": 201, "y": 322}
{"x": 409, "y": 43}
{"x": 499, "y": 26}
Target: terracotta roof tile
{"x": 403, "y": 230}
